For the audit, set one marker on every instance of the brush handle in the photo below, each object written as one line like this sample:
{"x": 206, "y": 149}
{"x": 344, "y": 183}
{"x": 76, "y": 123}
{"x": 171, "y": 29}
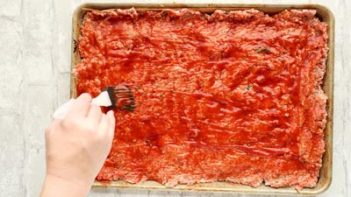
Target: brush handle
{"x": 102, "y": 100}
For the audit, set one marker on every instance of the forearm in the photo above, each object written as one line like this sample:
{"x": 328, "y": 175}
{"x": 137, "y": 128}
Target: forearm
{"x": 58, "y": 187}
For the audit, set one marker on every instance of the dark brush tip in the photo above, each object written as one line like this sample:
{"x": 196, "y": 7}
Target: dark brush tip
{"x": 128, "y": 108}
{"x": 111, "y": 94}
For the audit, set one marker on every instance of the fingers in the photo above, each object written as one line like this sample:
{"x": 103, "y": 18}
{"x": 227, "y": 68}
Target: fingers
{"x": 94, "y": 115}
{"x": 107, "y": 125}
{"x": 103, "y": 126}
{"x": 112, "y": 122}
{"x": 80, "y": 106}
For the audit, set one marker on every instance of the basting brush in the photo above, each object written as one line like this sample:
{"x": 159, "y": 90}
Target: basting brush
{"x": 119, "y": 97}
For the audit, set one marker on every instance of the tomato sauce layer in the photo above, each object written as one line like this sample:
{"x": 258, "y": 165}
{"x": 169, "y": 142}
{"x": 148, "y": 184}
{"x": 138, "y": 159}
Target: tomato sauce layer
{"x": 228, "y": 96}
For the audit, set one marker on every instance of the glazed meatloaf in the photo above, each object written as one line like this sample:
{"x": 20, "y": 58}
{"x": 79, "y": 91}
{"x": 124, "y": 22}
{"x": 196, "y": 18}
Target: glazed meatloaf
{"x": 229, "y": 96}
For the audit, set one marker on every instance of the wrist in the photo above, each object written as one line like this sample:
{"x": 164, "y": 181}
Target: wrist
{"x": 58, "y": 186}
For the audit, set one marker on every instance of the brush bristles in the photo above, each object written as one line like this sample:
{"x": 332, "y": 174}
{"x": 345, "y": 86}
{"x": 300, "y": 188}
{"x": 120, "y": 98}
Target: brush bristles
{"x": 123, "y": 95}
{"x": 111, "y": 94}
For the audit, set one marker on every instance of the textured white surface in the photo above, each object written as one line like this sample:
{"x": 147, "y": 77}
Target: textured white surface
{"x": 35, "y": 38}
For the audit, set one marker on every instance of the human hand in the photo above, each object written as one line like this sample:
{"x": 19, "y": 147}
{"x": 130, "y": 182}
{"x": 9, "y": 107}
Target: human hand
{"x": 77, "y": 146}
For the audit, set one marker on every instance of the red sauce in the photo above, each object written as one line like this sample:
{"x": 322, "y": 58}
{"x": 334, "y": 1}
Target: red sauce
{"x": 223, "y": 97}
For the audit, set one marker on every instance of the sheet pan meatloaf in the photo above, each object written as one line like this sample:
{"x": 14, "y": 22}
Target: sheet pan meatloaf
{"x": 229, "y": 96}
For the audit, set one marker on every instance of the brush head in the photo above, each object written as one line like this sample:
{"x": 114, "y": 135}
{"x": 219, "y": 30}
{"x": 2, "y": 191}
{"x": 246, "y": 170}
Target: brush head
{"x": 111, "y": 94}
{"x": 121, "y": 97}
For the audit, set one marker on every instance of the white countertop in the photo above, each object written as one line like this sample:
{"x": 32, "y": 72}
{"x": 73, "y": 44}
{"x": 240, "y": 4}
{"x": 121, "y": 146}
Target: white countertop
{"x": 35, "y": 38}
